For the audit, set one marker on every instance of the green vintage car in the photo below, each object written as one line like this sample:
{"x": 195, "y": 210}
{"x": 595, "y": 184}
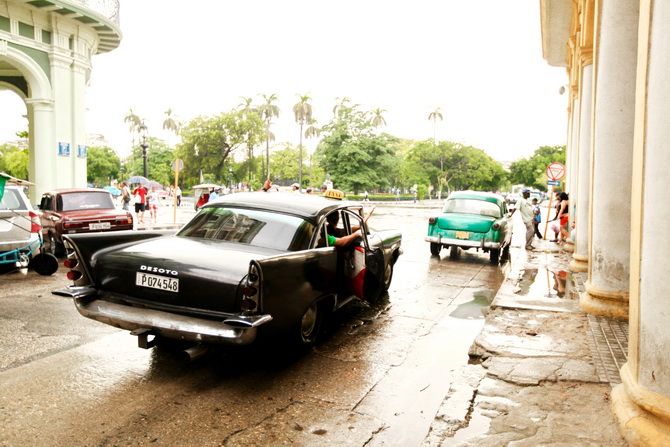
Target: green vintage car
{"x": 472, "y": 219}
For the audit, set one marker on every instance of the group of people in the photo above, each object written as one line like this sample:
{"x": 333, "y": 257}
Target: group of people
{"x": 143, "y": 200}
{"x": 295, "y": 188}
{"x": 531, "y": 215}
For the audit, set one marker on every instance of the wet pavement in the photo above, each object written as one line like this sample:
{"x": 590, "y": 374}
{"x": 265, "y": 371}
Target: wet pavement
{"x": 393, "y": 374}
{"x": 541, "y": 370}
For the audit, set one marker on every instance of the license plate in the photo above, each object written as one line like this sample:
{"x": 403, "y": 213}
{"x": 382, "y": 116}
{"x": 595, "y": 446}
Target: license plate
{"x": 462, "y": 235}
{"x": 157, "y": 282}
{"x": 99, "y": 226}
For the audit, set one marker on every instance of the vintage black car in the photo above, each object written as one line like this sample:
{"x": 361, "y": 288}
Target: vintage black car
{"x": 246, "y": 264}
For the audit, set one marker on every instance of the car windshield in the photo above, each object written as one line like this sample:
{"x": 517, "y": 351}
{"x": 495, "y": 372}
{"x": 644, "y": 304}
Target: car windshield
{"x": 472, "y": 206}
{"x": 84, "y": 201}
{"x": 251, "y": 227}
{"x": 11, "y": 200}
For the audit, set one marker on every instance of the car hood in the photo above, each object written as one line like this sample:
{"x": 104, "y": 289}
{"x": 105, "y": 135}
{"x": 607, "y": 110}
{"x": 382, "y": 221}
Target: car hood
{"x": 209, "y": 272}
{"x": 465, "y": 222}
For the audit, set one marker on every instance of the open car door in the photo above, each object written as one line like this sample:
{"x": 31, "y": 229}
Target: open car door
{"x": 363, "y": 267}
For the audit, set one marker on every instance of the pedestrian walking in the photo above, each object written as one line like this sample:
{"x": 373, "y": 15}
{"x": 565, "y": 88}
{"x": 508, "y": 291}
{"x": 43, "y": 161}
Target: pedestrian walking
{"x": 526, "y": 210}
{"x": 140, "y": 195}
{"x": 153, "y": 200}
{"x": 537, "y": 213}
{"x": 125, "y": 197}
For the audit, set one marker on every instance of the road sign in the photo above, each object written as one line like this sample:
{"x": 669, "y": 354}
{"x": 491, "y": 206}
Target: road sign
{"x": 553, "y": 182}
{"x": 178, "y": 163}
{"x": 555, "y": 171}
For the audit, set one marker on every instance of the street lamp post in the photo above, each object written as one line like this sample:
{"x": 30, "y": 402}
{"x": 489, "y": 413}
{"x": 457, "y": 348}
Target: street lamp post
{"x": 144, "y": 133}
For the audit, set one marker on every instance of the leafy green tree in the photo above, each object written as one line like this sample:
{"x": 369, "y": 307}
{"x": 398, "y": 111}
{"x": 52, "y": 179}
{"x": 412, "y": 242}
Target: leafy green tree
{"x": 531, "y": 171}
{"x": 434, "y": 116}
{"x": 285, "y": 164}
{"x": 14, "y": 161}
{"x": 269, "y": 111}
{"x": 302, "y": 111}
{"x": 453, "y": 166}
{"x": 351, "y": 152}
{"x": 207, "y": 142}
{"x": 102, "y": 165}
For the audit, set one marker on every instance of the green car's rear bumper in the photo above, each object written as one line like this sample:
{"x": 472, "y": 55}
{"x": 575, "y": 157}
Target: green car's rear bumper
{"x": 470, "y": 243}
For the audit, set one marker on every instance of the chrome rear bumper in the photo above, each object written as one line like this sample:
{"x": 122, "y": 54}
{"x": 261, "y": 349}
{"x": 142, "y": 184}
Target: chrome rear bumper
{"x": 463, "y": 242}
{"x": 235, "y": 330}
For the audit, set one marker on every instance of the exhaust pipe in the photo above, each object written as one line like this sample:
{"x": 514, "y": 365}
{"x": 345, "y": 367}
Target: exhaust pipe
{"x": 195, "y": 352}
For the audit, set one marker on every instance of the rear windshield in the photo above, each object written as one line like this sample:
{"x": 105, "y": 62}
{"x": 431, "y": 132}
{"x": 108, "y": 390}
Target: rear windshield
{"x": 11, "y": 200}
{"x": 89, "y": 200}
{"x": 251, "y": 227}
{"x": 472, "y": 206}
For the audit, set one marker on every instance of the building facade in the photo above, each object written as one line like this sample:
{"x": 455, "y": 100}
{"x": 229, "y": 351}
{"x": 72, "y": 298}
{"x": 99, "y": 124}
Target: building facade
{"x": 45, "y": 58}
{"x": 617, "y": 55}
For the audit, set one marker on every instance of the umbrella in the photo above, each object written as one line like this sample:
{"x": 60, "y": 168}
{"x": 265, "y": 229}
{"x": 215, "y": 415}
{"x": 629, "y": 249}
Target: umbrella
{"x": 153, "y": 184}
{"x": 138, "y": 179}
{"x": 206, "y": 186}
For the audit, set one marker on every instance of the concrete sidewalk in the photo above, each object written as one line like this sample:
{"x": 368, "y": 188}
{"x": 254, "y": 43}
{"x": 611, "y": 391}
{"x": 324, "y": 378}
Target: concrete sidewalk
{"x": 541, "y": 370}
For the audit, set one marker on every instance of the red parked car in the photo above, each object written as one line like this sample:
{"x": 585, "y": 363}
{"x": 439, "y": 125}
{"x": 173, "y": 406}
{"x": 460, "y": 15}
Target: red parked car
{"x": 70, "y": 211}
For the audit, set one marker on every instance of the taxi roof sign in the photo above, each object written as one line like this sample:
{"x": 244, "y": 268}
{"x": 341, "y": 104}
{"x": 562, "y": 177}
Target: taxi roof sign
{"x": 334, "y": 194}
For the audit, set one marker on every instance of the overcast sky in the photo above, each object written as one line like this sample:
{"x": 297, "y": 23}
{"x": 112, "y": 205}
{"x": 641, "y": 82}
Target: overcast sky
{"x": 480, "y": 61}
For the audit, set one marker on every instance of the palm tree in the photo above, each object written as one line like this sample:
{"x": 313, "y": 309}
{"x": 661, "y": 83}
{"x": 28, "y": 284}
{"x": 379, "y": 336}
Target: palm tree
{"x": 340, "y": 105}
{"x": 135, "y": 123}
{"x": 313, "y": 131}
{"x": 433, "y": 116}
{"x": 378, "y": 120}
{"x": 269, "y": 111}
{"x": 303, "y": 114}
{"x": 246, "y": 107}
{"x": 171, "y": 125}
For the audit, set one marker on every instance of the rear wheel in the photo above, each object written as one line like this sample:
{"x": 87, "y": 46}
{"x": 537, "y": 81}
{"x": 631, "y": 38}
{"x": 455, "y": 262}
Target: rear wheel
{"x": 55, "y": 248}
{"x": 435, "y": 249}
{"x": 44, "y": 264}
{"x": 311, "y": 325}
{"x": 388, "y": 276}
{"x": 495, "y": 255}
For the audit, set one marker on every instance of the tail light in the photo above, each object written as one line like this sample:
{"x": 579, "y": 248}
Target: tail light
{"x": 250, "y": 294}
{"x": 74, "y": 275}
{"x": 35, "y": 226}
{"x": 496, "y": 226}
{"x": 431, "y": 220}
{"x": 71, "y": 263}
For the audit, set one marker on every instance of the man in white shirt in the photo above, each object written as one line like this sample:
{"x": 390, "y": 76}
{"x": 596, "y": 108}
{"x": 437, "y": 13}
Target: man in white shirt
{"x": 526, "y": 210}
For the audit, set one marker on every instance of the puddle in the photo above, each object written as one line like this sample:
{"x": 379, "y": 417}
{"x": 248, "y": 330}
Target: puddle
{"x": 476, "y": 308}
{"x": 545, "y": 283}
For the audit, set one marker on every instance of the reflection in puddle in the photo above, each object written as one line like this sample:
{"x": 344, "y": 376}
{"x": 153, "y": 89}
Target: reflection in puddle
{"x": 546, "y": 283}
{"x": 476, "y": 308}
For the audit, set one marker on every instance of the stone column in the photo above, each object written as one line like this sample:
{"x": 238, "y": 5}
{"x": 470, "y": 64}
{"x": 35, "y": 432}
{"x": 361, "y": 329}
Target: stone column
{"x": 43, "y": 148}
{"x": 580, "y": 257}
{"x": 642, "y": 401}
{"x": 572, "y": 167}
{"x": 614, "y": 110}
